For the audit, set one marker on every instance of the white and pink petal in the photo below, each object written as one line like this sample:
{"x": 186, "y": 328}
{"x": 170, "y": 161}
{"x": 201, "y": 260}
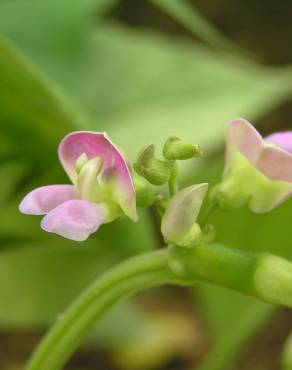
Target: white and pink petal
{"x": 275, "y": 163}
{"x": 96, "y": 144}
{"x": 240, "y": 135}
{"x": 42, "y": 200}
{"x": 281, "y": 139}
{"x": 75, "y": 219}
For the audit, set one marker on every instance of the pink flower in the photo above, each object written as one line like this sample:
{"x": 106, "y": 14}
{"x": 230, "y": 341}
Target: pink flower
{"x": 102, "y": 188}
{"x": 257, "y": 171}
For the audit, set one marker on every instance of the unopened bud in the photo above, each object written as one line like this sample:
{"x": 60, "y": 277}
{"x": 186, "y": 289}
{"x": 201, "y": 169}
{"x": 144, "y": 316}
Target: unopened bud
{"x": 157, "y": 172}
{"x": 175, "y": 148}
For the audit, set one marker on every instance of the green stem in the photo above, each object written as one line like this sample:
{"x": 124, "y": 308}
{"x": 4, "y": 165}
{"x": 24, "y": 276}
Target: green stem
{"x": 261, "y": 275}
{"x": 134, "y": 275}
{"x": 172, "y": 183}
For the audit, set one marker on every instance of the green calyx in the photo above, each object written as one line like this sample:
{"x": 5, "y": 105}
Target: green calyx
{"x": 244, "y": 184}
{"x": 155, "y": 171}
{"x": 193, "y": 238}
{"x": 176, "y": 149}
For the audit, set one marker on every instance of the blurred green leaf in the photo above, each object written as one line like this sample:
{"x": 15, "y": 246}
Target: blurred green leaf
{"x": 47, "y": 271}
{"x": 140, "y": 88}
{"x": 34, "y": 115}
{"x": 233, "y": 319}
{"x": 190, "y": 17}
{"x": 143, "y": 88}
{"x": 42, "y": 273}
{"x": 52, "y": 33}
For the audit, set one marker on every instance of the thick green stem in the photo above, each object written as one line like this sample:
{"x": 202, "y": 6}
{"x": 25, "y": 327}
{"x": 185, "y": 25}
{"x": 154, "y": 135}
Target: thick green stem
{"x": 265, "y": 276}
{"x": 134, "y": 275}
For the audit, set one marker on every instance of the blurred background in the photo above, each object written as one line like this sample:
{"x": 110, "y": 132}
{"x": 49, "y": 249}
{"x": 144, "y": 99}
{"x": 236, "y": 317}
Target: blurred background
{"x": 140, "y": 70}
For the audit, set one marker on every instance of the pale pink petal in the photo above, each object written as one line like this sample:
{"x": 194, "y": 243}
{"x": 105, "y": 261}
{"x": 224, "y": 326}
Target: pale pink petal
{"x": 75, "y": 219}
{"x": 260, "y": 203}
{"x": 42, "y": 200}
{"x": 281, "y": 139}
{"x": 93, "y": 144}
{"x": 182, "y": 212}
{"x": 98, "y": 144}
{"x": 241, "y": 135}
{"x": 275, "y": 163}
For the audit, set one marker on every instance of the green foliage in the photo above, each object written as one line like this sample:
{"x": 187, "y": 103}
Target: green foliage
{"x": 141, "y": 87}
{"x": 190, "y": 17}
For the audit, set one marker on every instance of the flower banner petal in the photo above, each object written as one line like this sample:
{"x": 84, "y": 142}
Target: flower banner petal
{"x": 95, "y": 144}
{"x": 242, "y": 136}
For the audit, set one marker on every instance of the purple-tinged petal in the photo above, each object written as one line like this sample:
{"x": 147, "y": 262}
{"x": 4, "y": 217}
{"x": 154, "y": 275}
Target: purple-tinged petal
{"x": 75, "y": 219}
{"x": 257, "y": 172}
{"x": 96, "y": 144}
{"x": 93, "y": 144}
{"x": 276, "y": 164}
{"x": 42, "y": 200}
{"x": 281, "y": 139}
{"x": 241, "y": 135}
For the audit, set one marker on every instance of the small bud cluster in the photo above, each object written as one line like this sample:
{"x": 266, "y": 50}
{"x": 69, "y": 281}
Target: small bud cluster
{"x": 179, "y": 211}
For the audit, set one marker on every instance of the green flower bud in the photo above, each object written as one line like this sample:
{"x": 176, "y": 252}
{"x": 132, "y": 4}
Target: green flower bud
{"x": 145, "y": 194}
{"x": 157, "y": 172}
{"x": 175, "y": 148}
{"x": 178, "y": 224}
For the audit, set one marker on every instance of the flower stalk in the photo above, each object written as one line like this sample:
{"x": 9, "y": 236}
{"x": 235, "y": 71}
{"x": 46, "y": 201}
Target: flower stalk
{"x": 263, "y": 276}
